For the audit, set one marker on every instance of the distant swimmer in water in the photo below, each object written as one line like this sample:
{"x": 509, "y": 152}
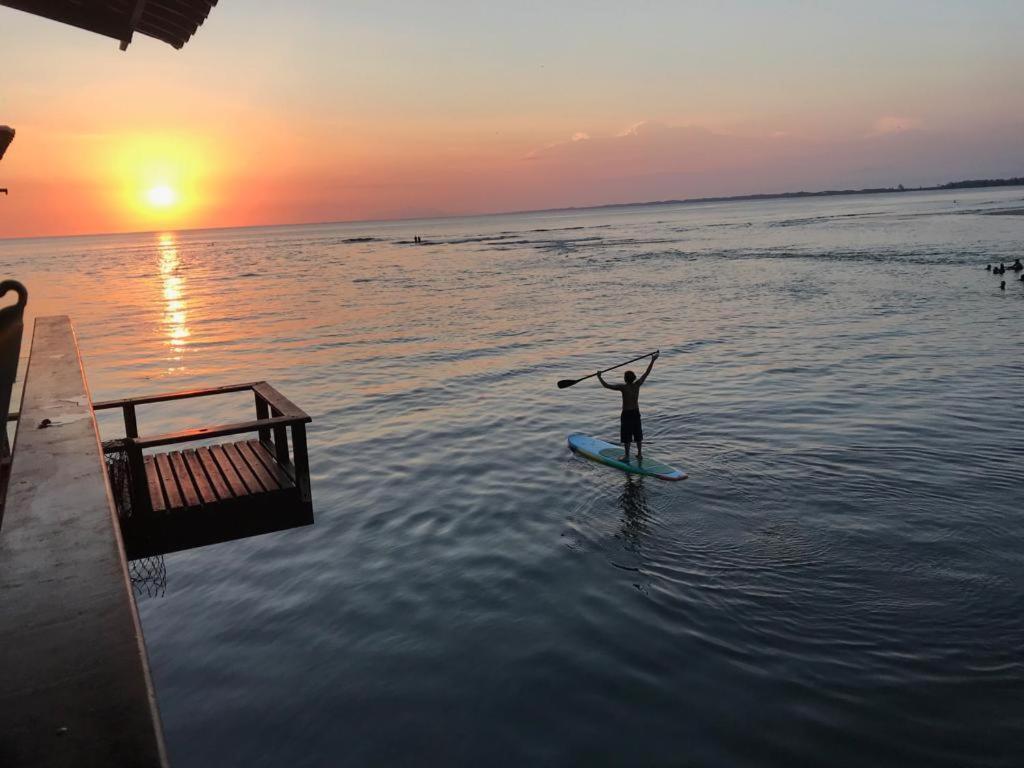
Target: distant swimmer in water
{"x": 988, "y": 267}
{"x": 630, "y": 428}
{"x": 1002, "y": 286}
{"x": 1017, "y": 266}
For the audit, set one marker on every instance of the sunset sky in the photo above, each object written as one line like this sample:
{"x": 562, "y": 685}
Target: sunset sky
{"x": 282, "y": 112}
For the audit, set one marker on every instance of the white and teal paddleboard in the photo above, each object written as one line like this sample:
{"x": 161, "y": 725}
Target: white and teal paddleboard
{"x": 606, "y": 453}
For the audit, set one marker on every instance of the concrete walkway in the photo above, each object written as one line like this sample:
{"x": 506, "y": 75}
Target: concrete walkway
{"x": 74, "y": 680}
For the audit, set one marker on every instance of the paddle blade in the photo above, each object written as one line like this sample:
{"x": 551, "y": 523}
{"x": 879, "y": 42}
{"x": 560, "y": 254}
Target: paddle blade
{"x": 567, "y": 383}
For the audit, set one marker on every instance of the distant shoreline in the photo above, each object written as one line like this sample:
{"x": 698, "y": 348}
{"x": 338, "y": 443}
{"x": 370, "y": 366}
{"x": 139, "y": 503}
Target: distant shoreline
{"x": 966, "y": 184}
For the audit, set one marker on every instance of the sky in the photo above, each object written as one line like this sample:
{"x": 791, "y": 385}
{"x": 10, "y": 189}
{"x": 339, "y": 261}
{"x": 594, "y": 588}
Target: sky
{"x": 283, "y": 112}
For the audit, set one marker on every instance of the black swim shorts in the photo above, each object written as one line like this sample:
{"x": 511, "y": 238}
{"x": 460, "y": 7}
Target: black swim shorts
{"x": 630, "y": 429}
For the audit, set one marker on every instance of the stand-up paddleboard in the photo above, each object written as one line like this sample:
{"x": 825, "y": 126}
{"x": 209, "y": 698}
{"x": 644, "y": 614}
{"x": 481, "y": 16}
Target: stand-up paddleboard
{"x": 606, "y": 453}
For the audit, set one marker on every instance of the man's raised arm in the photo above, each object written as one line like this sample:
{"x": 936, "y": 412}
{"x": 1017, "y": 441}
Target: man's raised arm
{"x": 605, "y": 384}
{"x": 650, "y": 365}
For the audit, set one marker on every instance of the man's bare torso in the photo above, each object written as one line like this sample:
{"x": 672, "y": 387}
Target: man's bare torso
{"x": 630, "y": 395}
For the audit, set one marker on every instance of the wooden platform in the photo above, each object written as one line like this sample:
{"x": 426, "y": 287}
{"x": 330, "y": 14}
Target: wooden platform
{"x": 210, "y": 495}
{"x": 76, "y": 689}
{"x": 192, "y": 497}
{"x": 215, "y": 476}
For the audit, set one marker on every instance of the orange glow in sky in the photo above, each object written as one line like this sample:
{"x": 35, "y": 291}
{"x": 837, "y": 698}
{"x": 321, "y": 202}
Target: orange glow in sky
{"x": 351, "y": 111}
{"x": 159, "y": 181}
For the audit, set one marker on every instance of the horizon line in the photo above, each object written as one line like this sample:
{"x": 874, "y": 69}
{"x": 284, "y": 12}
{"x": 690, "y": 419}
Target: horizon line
{"x": 1010, "y": 181}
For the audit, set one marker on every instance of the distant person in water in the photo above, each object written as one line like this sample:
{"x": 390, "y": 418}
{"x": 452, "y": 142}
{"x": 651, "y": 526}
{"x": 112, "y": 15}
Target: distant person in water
{"x": 1016, "y": 266}
{"x": 630, "y": 428}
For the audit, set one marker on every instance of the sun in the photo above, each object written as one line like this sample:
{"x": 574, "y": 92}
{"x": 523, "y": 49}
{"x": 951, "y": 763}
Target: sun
{"x": 160, "y": 181}
{"x": 162, "y": 196}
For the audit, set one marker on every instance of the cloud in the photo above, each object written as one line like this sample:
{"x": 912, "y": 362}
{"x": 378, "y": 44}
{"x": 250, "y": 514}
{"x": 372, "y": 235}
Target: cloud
{"x": 653, "y": 161}
{"x": 580, "y": 136}
{"x": 892, "y": 124}
{"x": 651, "y": 147}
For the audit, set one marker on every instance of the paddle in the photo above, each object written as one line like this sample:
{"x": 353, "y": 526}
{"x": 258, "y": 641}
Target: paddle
{"x": 569, "y": 382}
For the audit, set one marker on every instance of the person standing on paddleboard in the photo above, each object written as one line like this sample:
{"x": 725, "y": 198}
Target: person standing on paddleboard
{"x": 630, "y": 428}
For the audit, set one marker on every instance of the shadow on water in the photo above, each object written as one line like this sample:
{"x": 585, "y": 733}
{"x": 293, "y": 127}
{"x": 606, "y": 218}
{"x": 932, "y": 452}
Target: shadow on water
{"x": 636, "y": 515}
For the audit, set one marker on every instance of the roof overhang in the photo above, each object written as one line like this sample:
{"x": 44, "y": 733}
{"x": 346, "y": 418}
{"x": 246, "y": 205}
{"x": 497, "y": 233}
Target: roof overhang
{"x": 172, "y": 21}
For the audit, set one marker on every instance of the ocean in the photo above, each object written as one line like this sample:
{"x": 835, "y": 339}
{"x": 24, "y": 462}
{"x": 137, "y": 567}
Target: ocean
{"x": 839, "y": 582}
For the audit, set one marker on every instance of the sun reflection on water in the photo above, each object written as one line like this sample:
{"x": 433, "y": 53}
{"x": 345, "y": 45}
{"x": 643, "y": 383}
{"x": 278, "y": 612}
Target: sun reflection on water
{"x": 175, "y": 317}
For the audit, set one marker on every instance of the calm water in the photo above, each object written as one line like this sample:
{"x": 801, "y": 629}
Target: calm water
{"x": 839, "y": 582}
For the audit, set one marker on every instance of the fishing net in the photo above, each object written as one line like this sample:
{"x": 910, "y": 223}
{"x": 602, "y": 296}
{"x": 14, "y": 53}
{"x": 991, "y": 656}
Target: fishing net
{"x": 120, "y": 476}
{"x": 148, "y": 576}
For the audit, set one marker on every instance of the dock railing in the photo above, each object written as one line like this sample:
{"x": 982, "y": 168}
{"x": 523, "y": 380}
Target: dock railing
{"x": 276, "y": 415}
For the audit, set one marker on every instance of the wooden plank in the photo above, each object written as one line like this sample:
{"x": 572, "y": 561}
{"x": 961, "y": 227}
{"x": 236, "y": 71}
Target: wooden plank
{"x": 283, "y": 405}
{"x": 258, "y": 515}
{"x": 168, "y": 482}
{"x": 166, "y": 396}
{"x": 156, "y": 491}
{"x": 76, "y": 688}
{"x": 281, "y": 445}
{"x": 131, "y": 422}
{"x": 139, "y": 491}
{"x": 301, "y": 454}
{"x": 213, "y": 472}
{"x": 207, "y": 495}
{"x": 221, "y": 430}
{"x": 250, "y": 480}
{"x": 189, "y": 494}
{"x": 228, "y": 470}
{"x": 262, "y": 412}
{"x": 267, "y": 479}
{"x": 268, "y": 461}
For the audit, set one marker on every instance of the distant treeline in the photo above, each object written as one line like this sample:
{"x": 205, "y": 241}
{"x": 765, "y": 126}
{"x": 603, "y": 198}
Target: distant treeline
{"x": 966, "y": 184}
{"x": 1017, "y": 181}
{"x": 972, "y": 183}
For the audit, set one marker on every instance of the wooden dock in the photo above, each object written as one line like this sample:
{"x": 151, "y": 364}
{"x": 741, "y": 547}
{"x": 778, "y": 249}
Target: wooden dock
{"x": 76, "y": 688}
{"x": 192, "y": 497}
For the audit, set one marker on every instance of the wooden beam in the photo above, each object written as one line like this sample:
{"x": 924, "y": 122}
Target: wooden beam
{"x": 205, "y": 433}
{"x": 92, "y": 17}
{"x": 133, "y": 22}
{"x": 172, "y": 21}
{"x": 276, "y": 400}
{"x": 167, "y": 396}
{"x": 76, "y": 687}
